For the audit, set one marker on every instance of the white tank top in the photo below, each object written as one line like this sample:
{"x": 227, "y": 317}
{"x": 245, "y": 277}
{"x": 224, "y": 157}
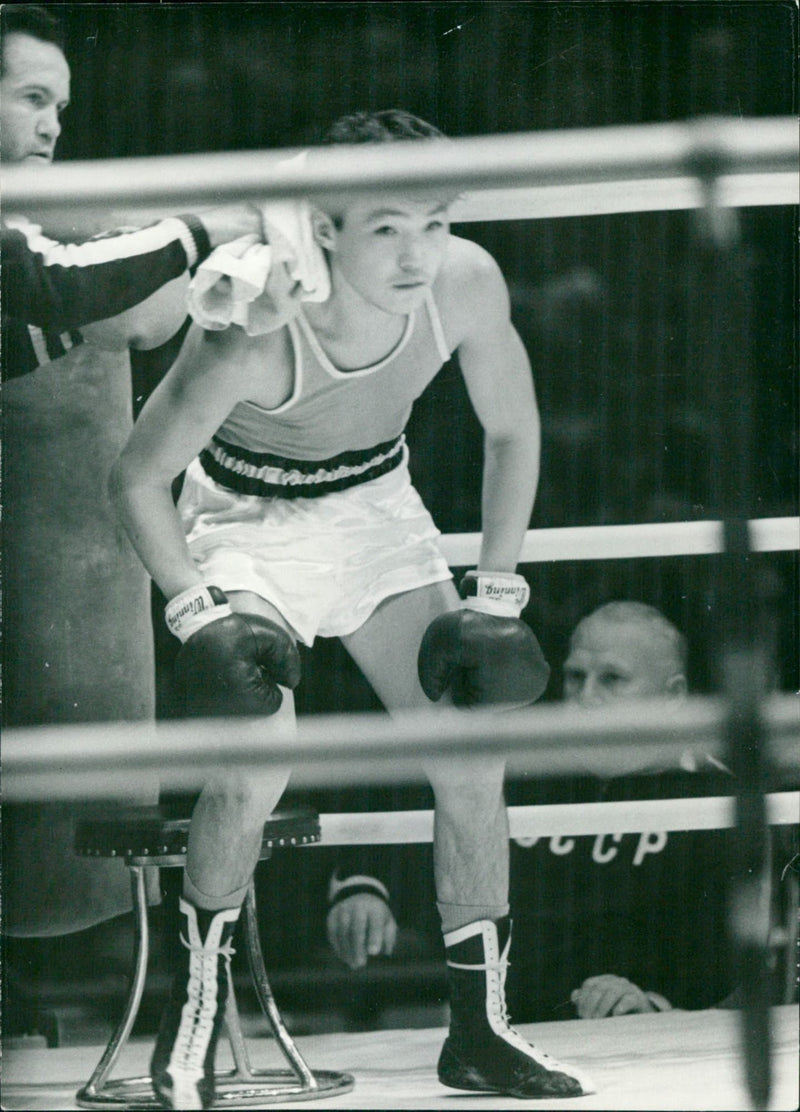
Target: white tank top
{"x": 346, "y": 423}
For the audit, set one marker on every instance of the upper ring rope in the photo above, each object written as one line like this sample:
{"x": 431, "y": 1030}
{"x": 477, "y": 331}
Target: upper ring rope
{"x": 540, "y": 202}
{"x": 554, "y": 158}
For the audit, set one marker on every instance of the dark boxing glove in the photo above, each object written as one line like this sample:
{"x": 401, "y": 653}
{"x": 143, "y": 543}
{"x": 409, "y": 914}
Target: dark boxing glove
{"x": 229, "y": 663}
{"x": 483, "y": 653}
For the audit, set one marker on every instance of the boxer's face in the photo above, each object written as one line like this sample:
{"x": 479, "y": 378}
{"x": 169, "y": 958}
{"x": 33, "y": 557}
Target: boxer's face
{"x": 34, "y": 91}
{"x": 611, "y": 661}
{"x": 389, "y": 250}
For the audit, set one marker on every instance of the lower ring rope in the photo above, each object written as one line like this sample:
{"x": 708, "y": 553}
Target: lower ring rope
{"x": 552, "y": 820}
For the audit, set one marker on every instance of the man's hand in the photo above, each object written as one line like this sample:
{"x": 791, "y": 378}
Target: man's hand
{"x": 359, "y": 927}
{"x": 225, "y": 223}
{"x": 608, "y": 994}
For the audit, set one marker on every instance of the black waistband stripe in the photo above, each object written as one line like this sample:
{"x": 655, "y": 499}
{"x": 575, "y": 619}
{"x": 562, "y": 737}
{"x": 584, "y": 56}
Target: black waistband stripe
{"x": 272, "y": 476}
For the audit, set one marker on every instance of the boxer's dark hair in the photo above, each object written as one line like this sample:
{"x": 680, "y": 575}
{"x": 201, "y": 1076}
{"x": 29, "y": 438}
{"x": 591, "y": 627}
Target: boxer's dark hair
{"x": 388, "y": 126}
{"x": 380, "y": 127}
{"x": 29, "y": 19}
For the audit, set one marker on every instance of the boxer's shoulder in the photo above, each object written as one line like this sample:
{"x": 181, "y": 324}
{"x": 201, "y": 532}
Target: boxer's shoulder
{"x": 469, "y": 283}
{"x": 257, "y": 368}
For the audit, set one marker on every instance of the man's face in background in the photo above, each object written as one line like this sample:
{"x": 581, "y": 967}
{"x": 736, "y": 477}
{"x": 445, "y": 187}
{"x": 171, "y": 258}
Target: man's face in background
{"x": 612, "y": 660}
{"x": 34, "y": 91}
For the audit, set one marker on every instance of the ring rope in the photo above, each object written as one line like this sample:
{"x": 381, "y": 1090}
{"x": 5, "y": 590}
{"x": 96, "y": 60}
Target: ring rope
{"x": 562, "y": 157}
{"x": 607, "y": 198}
{"x": 542, "y": 202}
{"x": 561, "y": 819}
{"x": 102, "y": 760}
{"x": 621, "y": 542}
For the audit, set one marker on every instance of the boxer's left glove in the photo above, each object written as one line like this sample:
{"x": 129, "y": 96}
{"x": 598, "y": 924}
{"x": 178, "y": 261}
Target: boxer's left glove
{"x": 483, "y": 653}
{"x": 229, "y": 663}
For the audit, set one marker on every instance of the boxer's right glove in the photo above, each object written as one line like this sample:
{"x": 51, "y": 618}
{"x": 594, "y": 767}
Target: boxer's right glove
{"x": 229, "y": 663}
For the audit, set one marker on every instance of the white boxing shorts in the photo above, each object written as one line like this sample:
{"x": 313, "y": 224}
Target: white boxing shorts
{"x": 324, "y": 563}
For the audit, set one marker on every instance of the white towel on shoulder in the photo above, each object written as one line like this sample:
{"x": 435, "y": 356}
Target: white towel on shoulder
{"x": 257, "y": 285}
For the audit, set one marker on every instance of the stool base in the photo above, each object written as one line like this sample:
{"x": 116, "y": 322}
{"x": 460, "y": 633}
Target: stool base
{"x": 234, "y": 1090}
{"x": 240, "y": 1087}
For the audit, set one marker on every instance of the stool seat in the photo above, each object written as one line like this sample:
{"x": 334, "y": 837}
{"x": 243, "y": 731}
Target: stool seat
{"x": 145, "y": 838}
{"x": 140, "y": 834}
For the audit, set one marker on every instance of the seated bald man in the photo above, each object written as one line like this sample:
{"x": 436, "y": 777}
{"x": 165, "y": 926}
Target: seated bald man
{"x": 600, "y": 922}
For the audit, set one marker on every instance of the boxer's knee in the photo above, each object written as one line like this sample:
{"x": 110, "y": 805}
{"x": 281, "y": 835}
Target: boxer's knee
{"x": 467, "y": 789}
{"x": 239, "y": 799}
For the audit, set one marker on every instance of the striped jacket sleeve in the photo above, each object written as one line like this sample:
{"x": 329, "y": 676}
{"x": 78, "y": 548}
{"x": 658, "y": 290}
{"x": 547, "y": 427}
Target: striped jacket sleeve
{"x": 61, "y": 286}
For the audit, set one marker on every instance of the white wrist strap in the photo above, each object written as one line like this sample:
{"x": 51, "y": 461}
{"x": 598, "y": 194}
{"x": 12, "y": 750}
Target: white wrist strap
{"x": 502, "y": 593}
{"x": 191, "y": 610}
{"x": 337, "y": 886}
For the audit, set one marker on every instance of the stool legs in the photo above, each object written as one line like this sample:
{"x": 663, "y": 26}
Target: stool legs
{"x": 239, "y": 1087}
{"x": 265, "y": 997}
{"x": 92, "y": 1095}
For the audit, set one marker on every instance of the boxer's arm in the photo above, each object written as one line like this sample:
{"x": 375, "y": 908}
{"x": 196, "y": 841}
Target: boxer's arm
{"x": 483, "y": 654}
{"x": 498, "y": 377}
{"x": 179, "y": 419}
{"x": 230, "y": 661}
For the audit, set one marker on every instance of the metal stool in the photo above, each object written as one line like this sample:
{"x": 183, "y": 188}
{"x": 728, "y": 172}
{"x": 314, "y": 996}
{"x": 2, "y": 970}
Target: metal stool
{"x": 145, "y": 839}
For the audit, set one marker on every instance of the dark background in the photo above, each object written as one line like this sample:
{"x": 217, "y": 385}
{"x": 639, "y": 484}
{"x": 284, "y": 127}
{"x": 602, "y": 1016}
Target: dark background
{"x": 619, "y": 321}
{"x": 621, "y": 326}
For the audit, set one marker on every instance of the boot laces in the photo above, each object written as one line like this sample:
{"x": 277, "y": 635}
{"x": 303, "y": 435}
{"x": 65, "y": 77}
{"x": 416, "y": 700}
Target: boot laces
{"x": 197, "y": 1014}
{"x": 512, "y": 1035}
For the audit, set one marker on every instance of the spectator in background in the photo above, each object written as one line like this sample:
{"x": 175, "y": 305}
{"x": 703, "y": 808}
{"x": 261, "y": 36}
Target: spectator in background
{"x": 604, "y": 925}
{"x": 627, "y": 894}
